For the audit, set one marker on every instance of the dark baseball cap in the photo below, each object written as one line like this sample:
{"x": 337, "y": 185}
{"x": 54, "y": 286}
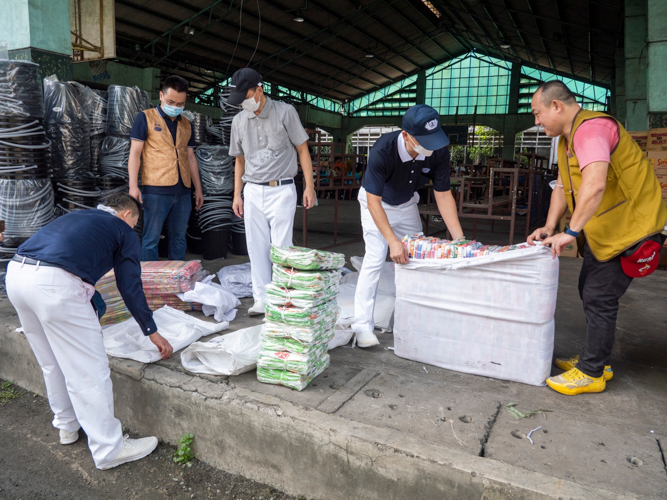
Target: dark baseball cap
{"x": 242, "y": 80}
{"x": 423, "y": 123}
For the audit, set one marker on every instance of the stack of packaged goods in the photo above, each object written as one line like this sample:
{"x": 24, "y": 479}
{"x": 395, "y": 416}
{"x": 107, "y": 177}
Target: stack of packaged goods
{"x": 425, "y": 247}
{"x": 162, "y": 280}
{"x": 301, "y": 311}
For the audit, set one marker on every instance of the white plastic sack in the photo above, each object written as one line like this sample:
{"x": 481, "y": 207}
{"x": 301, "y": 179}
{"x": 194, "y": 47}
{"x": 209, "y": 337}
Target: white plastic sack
{"x": 342, "y": 336}
{"x": 215, "y": 299}
{"x": 230, "y": 354}
{"x": 387, "y": 283}
{"x": 384, "y": 307}
{"x": 490, "y": 316}
{"x": 126, "y": 340}
{"x": 237, "y": 279}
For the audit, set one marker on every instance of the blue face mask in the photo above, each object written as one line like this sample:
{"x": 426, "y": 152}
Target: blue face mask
{"x": 171, "y": 110}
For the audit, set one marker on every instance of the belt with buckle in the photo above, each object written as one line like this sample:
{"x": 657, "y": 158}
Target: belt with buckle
{"x": 275, "y": 183}
{"x": 31, "y": 262}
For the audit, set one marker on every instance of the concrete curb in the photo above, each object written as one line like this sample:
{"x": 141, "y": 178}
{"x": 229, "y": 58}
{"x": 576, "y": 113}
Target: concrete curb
{"x": 303, "y": 452}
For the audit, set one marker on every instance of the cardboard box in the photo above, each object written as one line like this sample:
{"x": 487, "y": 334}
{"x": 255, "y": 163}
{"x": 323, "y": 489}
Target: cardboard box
{"x": 658, "y": 161}
{"x": 640, "y": 138}
{"x": 570, "y": 251}
{"x": 565, "y": 221}
{"x": 657, "y": 139}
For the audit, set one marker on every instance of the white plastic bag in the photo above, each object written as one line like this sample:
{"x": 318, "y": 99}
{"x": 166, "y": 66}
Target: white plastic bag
{"x": 387, "y": 283}
{"x": 215, "y": 299}
{"x": 342, "y": 336}
{"x": 126, "y": 340}
{"x": 237, "y": 279}
{"x": 490, "y": 315}
{"x": 230, "y": 354}
{"x": 383, "y": 314}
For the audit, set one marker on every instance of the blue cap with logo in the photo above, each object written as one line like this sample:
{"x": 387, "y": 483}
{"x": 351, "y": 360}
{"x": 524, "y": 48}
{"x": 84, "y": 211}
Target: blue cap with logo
{"x": 423, "y": 123}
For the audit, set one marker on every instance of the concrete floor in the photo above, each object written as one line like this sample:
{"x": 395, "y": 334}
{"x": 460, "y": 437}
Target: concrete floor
{"x": 608, "y": 445}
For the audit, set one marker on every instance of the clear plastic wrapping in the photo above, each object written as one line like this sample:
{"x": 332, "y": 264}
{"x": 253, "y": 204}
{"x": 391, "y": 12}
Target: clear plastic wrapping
{"x": 123, "y": 106}
{"x": 114, "y": 156}
{"x": 199, "y": 124}
{"x": 20, "y": 90}
{"x": 26, "y": 206}
{"x": 216, "y": 169}
{"x": 94, "y": 104}
{"x": 68, "y": 127}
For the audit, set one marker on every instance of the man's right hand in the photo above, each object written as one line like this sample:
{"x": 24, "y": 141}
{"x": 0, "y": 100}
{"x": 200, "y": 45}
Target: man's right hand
{"x": 238, "y": 206}
{"x": 163, "y": 345}
{"x": 398, "y": 252}
{"x": 135, "y": 193}
{"x": 539, "y": 235}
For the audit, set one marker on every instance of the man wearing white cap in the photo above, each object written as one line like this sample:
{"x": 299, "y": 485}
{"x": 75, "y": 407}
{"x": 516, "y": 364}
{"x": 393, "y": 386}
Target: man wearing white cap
{"x": 399, "y": 164}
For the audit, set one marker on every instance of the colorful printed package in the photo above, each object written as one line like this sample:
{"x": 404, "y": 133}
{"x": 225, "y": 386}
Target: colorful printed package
{"x": 293, "y": 345}
{"x": 306, "y": 259}
{"x": 283, "y": 296}
{"x": 304, "y": 280}
{"x": 311, "y": 334}
{"x": 289, "y": 379}
{"x": 292, "y": 361}
{"x": 425, "y": 247}
{"x": 302, "y": 316}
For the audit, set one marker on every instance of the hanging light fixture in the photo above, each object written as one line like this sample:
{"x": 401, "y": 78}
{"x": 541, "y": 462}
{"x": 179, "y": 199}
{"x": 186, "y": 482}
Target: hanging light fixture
{"x": 298, "y": 17}
{"x": 369, "y": 55}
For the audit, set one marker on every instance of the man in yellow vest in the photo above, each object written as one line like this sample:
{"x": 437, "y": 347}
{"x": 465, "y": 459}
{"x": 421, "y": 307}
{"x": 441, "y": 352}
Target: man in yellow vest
{"x": 163, "y": 145}
{"x": 614, "y": 196}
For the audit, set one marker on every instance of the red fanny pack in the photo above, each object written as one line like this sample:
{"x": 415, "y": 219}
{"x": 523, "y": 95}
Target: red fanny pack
{"x": 642, "y": 260}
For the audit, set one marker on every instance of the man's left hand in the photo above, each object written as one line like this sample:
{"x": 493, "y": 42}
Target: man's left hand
{"x": 309, "y": 197}
{"x": 199, "y": 199}
{"x": 558, "y": 242}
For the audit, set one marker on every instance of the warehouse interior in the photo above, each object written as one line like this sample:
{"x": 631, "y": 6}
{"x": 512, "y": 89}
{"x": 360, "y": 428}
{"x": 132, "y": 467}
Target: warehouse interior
{"x": 352, "y": 69}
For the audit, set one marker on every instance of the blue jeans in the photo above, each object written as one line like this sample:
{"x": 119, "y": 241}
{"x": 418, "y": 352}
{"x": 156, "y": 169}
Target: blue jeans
{"x": 160, "y": 207}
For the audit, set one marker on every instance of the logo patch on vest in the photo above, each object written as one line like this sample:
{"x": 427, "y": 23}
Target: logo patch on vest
{"x": 157, "y": 127}
{"x": 426, "y": 170}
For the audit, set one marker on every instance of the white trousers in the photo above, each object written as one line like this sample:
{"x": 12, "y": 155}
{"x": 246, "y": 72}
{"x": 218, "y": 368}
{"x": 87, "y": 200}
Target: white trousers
{"x": 268, "y": 213}
{"x": 404, "y": 219}
{"x": 66, "y": 337}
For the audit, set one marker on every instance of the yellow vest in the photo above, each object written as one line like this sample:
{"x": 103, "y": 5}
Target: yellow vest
{"x": 160, "y": 157}
{"x": 632, "y": 207}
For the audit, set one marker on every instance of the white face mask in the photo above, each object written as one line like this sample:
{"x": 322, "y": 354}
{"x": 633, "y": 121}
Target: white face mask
{"x": 250, "y": 105}
{"x": 420, "y": 150}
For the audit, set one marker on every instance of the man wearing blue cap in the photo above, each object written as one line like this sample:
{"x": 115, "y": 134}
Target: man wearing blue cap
{"x": 399, "y": 164}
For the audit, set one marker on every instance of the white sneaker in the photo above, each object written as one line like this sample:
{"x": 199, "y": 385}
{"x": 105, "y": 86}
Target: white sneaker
{"x": 257, "y": 309}
{"x": 366, "y": 339}
{"x": 133, "y": 449}
{"x": 67, "y": 437}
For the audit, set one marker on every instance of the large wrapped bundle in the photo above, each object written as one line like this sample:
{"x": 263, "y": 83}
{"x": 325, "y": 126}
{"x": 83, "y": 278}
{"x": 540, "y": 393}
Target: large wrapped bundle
{"x": 123, "y": 106}
{"x": 26, "y": 206}
{"x": 20, "y": 90}
{"x": 301, "y": 311}
{"x": 216, "y": 169}
{"x": 114, "y": 156}
{"x": 68, "y": 126}
{"x": 491, "y": 315}
{"x": 306, "y": 259}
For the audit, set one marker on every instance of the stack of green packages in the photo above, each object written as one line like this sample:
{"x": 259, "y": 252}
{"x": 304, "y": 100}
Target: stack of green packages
{"x": 301, "y": 311}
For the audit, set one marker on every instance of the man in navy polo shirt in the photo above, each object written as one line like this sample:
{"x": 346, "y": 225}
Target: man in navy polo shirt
{"x": 163, "y": 145}
{"x": 399, "y": 164}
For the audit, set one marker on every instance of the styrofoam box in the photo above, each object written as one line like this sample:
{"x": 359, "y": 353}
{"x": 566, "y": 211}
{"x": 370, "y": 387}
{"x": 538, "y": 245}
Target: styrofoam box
{"x": 490, "y": 316}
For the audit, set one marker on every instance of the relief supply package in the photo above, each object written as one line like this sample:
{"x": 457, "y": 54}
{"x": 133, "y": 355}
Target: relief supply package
{"x": 304, "y": 280}
{"x": 306, "y": 259}
{"x": 302, "y": 316}
{"x": 302, "y": 363}
{"x": 231, "y": 354}
{"x": 237, "y": 279}
{"x": 289, "y": 379}
{"x": 314, "y": 334}
{"x": 491, "y": 315}
{"x": 126, "y": 340}
{"x": 283, "y": 296}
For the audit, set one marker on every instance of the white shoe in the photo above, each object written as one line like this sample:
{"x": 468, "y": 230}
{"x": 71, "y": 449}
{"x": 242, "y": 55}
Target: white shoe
{"x": 133, "y": 449}
{"x": 257, "y": 309}
{"x": 366, "y": 339}
{"x": 67, "y": 437}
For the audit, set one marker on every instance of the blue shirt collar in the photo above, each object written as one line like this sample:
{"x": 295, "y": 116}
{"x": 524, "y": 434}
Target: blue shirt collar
{"x": 403, "y": 152}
